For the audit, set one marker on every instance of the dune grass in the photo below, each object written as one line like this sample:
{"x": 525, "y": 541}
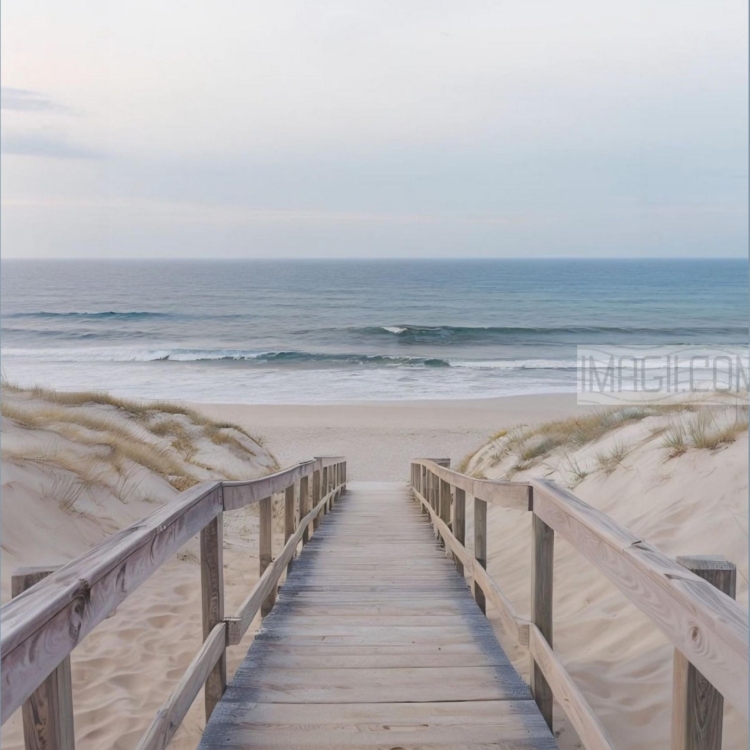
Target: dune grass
{"x": 689, "y": 426}
{"x": 160, "y": 437}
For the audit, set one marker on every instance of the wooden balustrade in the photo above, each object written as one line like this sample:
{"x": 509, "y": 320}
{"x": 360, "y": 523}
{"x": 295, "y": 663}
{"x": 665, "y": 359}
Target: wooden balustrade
{"x": 52, "y": 611}
{"x": 690, "y": 600}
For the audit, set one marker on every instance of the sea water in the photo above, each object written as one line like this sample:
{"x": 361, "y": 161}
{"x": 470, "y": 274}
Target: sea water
{"x": 292, "y": 331}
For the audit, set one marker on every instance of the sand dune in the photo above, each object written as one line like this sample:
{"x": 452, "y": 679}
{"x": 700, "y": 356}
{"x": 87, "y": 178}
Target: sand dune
{"x": 71, "y": 478}
{"x": 75, "y": 469}
{"x": 682, "y": 498}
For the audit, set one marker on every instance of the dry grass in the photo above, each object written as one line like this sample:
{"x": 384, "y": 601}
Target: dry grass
{"x": 674, "y": 439}
{"x": 577, "y": 474}
{"x": 689, "y": 426}
{"x": 708, "y": 429}
{"x": 123, "y": 433}
{"x": 609, "y": 460}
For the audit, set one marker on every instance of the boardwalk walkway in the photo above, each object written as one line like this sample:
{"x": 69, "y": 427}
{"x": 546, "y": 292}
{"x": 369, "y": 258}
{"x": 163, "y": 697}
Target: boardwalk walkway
{"x": 375, "y": 641}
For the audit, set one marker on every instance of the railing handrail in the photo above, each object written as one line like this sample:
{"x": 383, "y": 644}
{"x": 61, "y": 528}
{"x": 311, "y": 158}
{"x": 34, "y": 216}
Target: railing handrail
{"x": 706, "y": 625}
{"x": 496, "y": 491}
{"x": 42, "y": 626}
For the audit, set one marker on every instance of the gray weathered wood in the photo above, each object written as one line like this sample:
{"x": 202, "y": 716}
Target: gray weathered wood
{"x": 708, "y": 627}
{"x": 697, "y": 706}
{"x": 516, "y": 627}
{"x": 445, "y": 503}
{"x": 238, "y": 494}
{"x": 494, "y": 491}
{"x": 317, "y": 493}
{"x": 239, "y": 624}
{"x": 48, "y": 714}
{"x": 265, "y": 549}
{"x": 304, "y": 505}
{"x": 42, "y": 626}
{"x": 376, "y": 642}
{"x": 590, "y": 730}
{"x": 542, "y": 560}
{"x": 289, "y": 512}
{"x": 480, "y": 547}
{"x": 459, "y": 524}
{"x": 212, "y": 597}
{"x": 174, "y": 710}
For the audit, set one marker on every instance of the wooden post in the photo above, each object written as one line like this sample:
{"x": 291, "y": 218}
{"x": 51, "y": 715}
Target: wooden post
{"x": 697, "y": 706}
{"x": 326, "y": 482}
{"x": 212, "y": 594}
{"x": 316, "y": 494}
{"x": 289, "y": 493}
{"x": 265, "y": 549}
{"x": 445, "y": 505}
{"x": 434, "y": 498}
{"x": 480, "y": 547}
{"x": 304, "y": 505}
{"x": 48, "y": 713}
{"x": 542, "y": 558}
{"x": 459, "y": 523}
{"x": 423, "y": 487}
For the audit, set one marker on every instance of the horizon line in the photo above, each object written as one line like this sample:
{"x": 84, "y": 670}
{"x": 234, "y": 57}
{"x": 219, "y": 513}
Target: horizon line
{"x": 158, "y": 259}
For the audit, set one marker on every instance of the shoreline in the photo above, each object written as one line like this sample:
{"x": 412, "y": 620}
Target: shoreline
{"x": 380, "y": 437}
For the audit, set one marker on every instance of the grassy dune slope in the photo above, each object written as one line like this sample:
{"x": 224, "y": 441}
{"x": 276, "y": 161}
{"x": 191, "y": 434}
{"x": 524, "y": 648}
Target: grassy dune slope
{"x": 678, "y": 478}
{"x": 77, "y": 467}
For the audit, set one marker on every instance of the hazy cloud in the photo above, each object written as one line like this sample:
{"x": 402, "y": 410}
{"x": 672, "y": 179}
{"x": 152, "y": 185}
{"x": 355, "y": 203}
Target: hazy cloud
{"x": 23, "y": 100}
{"x": 40, "y": 144}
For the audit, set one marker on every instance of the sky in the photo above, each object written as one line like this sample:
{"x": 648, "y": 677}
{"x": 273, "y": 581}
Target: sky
{"x": 386, "y": 128}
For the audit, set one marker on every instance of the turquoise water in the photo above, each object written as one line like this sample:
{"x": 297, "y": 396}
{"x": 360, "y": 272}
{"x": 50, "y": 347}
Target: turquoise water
{"x": 311, "y": 331}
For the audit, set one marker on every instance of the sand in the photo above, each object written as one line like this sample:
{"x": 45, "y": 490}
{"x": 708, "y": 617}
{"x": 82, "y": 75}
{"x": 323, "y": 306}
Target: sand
{"x": 689, "y": 504}
{"x": 125, "y": 669}
{"x": 380, "y": 438}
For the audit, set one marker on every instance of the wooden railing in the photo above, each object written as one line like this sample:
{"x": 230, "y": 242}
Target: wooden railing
{"x": 54, "y": 610}
{"x": 707, "y": 627}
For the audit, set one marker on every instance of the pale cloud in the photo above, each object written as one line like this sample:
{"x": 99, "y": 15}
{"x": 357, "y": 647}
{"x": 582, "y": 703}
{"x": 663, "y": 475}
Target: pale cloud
{"x": 471, "y": 127}
{"x": 43, "y": 145}
{"x": 21, "y": 100}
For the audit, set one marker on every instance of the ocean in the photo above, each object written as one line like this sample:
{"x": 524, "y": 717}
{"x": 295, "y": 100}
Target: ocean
{"x": 290, "y": 331}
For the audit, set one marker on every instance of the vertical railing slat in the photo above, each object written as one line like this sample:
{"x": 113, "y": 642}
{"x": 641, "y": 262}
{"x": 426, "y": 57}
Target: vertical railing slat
{"x": 212, "y": 591}
{"x": 47, "y": 715}
{"x": 543, "y": 551}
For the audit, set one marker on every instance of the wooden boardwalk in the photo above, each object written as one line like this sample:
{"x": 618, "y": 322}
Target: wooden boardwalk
{"x": 375, "y": 641}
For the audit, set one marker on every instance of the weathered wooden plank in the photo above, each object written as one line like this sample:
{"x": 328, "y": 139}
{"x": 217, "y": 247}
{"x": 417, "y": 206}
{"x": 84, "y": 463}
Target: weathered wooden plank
{"x": 212, "y": 597}
{"x": 590, "y": 730}
{"x": 512, "y": 623}
{"x": 542, "y": 560}
{"x": 697, "y": 706}
{"x": 375, "y": 624}
{"x": 487, "y": 724}
{"x": 42, "y": 626}
{"x": 708, "y": 627}
{"x": 238, "y": 625}
{"x": 171, "y": 714}
{"x": 397, "y": 685}
{"x": 382, "y": 658}
{"x": 48, "y": 713}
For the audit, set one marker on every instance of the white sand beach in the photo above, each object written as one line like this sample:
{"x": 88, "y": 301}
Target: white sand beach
{"x": 63, "y": 493}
